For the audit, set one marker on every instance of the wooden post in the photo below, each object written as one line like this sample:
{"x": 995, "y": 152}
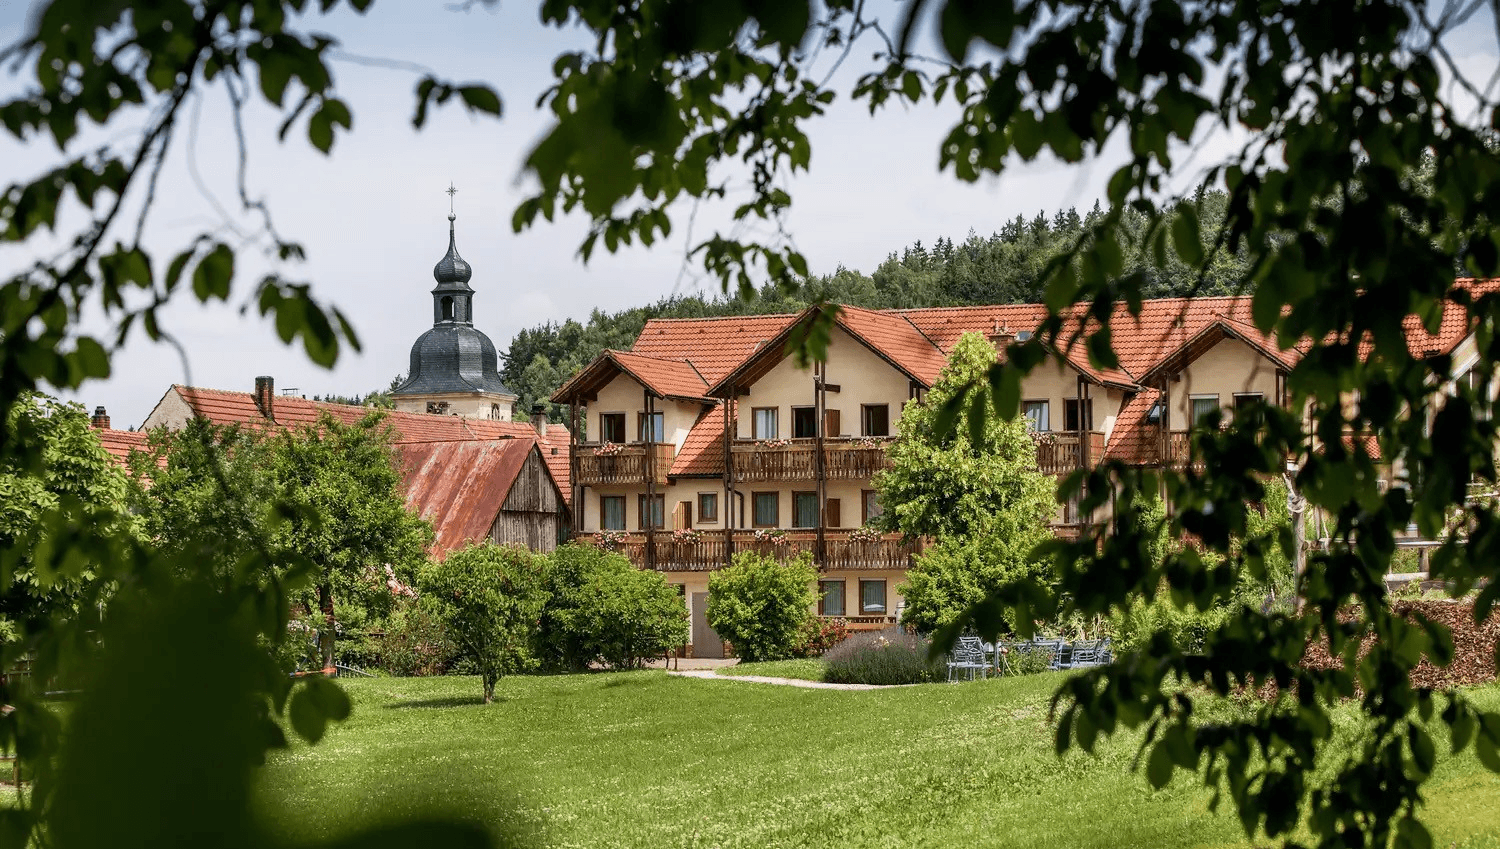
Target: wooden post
{"x": 573, "y": 485}
{"x": 649, "y": 520}
{"x": 728, "y": 509}
{"x": 820, "y": 399}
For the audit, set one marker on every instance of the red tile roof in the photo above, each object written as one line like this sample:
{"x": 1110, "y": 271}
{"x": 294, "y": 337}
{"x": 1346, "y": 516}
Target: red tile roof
{"x": 120, "y": 443}
{"x": 460, "y": 486}
{"x": 898, "y": 339}
{"x": 716, "y": 346}
{"x": 1133, "y": 441}
{"x": 668, "y": 378}
{"x": 703, "y": 450}
{"x": 223, "y": 407}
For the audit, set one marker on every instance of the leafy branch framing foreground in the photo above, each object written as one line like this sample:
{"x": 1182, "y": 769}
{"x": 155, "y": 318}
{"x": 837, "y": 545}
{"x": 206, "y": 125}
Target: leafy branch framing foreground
{"x": 1360, "y": 191}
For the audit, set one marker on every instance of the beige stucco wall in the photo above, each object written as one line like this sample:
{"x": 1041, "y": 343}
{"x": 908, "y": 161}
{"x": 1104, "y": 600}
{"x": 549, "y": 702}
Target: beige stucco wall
{"x": 863, "y": 378}
{"x": 1228, "y": 368}
{"x": 172, "y": 412}
{"x": 686, "y": 490}
{"x": 1054, "y": 382}
{"x": 847, "y": 492}
{"x": 474, "y": 405}
{"x": 625, "y": 395}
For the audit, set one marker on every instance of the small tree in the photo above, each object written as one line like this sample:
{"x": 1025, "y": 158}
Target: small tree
{"x": 58, "y": 477}
{"x": 760, "y": 604}
{"x": 979, "y": 494}
{"x": 489, "y": 599}
{"x": 601, "y": 607}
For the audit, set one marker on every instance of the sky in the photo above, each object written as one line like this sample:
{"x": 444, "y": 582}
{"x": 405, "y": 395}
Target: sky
{"x": 372, "y": 216}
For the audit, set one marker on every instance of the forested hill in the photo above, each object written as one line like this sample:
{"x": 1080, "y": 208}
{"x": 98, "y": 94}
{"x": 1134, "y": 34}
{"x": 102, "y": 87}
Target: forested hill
{"x": 1002, "y": 268}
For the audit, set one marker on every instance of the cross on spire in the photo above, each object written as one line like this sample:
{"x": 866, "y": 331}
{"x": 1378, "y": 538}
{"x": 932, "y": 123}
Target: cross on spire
{"x": 451, "y": 192}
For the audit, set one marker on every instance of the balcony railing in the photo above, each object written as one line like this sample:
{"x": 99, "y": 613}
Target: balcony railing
{"x": 622, "y": 464}
{"x": 1060, "y": 452}
{"x": 706, "y": 551}
{"x": 796, "y": 459}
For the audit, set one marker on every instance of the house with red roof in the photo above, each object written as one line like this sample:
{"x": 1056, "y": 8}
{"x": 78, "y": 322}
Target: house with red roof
{"x": 474, "y": 478}
{"x": 707, "y": 437}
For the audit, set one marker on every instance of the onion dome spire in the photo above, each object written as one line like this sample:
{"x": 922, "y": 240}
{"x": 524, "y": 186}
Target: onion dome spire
{"x": 451, "y": 270}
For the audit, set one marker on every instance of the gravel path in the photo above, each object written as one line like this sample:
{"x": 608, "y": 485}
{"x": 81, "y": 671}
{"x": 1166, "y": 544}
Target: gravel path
{"x": 785, "y": 682}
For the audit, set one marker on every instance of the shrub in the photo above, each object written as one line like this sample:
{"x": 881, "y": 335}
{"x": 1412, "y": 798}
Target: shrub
{"x": 891, "y": 656}
{"x": 489, "y": 600}
{"x": 626, "y": 617}
{"x": 820, "y": 635}
{"x": 955, "y": 574}
{"x": 603, "y": 608}
{"x": 1029, "y": 659}
{"x": 759, "y": 604}
{"x": 415, "y": 643}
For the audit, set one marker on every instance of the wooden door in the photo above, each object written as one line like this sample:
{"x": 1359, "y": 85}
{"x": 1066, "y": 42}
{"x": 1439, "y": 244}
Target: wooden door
{"x": 706, "y": 642}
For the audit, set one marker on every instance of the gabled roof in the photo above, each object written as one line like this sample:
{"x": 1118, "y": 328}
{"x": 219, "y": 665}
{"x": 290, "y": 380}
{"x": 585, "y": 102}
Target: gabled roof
{"x": 716, "y": 346}
{"x": 702, "y": 451}
{"x": 667, "y": 378}
{"x": 889, "y": 336}
{"x": 1210, "y": 335}
{"x": 224, "y": 407}
{"x": 460, "y": 486}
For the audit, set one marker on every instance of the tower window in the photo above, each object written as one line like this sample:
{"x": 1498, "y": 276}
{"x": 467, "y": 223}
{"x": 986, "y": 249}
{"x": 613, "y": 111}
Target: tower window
{"x": 447, "y": 309}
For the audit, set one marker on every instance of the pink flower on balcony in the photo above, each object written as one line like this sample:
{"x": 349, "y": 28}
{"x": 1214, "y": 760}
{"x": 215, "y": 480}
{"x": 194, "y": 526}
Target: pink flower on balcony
{"x": 609, "y": 449}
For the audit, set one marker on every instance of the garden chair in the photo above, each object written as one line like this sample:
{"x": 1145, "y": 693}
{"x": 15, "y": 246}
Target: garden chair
{"x": 1088, "y": 653}
{"x": 966, "y": 658}
{"x": 1058, "y": 648}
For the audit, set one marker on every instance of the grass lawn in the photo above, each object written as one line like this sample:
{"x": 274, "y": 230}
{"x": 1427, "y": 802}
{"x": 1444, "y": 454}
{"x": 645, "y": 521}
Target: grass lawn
{"x": 644, "y": 759}
{"x": 807, "y": 669}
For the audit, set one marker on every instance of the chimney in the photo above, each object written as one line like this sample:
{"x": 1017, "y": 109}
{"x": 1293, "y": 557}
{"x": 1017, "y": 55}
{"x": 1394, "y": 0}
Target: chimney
{"x": 539, "y": 419}
{"x": 101, "y": 419}
{"x": 1001, "y": 336}
{"x": 265, "y": 396}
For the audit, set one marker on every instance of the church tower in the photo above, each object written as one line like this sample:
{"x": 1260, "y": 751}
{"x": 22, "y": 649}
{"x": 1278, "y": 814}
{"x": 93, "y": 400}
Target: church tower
{"x": 454, "y": 368}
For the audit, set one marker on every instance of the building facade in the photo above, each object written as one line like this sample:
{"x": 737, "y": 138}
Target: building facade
{"x": 706, "y": 438}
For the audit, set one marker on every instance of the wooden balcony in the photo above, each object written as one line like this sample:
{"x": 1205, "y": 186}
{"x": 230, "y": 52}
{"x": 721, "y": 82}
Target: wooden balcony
{"x": 1060, "y": 452}
{"x": 622, "y": 464}
{"x": 796, "y": 459}
{"x": 706, "y": 552}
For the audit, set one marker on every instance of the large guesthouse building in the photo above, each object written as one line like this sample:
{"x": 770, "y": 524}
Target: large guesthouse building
{"x": 707, "y": 438}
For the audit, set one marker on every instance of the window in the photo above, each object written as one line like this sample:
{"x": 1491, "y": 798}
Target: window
{"x": 804, "y": 422}
{"x": 1245, "y": 399}
{"x": 708, "y": 507}
{"x": 447, "y": 309}
{"x": 657, "y": 513}
{"x": 612, "y": 512}
{"x": 763, "y": 423}
{"x": 1070, "y": 511}
{"x": 649, "y": 427}
{"x": 871, "y": 596}
{"x": 804, "y": 509}
{"x": 876, "y": 419}
{"x": 611, "y": 427}
{"x": 1078, "y": 414}
{"x": 830, "y": 598}
{"x": 1036, "y": 414}
{"x": 870, "y": 504}
{"x": 765, "y": 509}
{"x": 1202, "y": 407}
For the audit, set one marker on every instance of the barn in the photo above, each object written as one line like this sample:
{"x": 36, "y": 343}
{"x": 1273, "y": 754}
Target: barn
{"x": 473, "y": 490}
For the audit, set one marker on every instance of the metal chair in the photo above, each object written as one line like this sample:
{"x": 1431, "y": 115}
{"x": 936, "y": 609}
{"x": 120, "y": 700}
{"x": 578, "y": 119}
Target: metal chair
{"x": 967, "y": 657}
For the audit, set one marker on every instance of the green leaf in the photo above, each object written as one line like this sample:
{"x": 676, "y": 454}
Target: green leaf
{"x": 1159, "y": 766}
{"x": 214, "y": 274}
{"x": 1489, "y": 755}
{"x": 480, "y": 98}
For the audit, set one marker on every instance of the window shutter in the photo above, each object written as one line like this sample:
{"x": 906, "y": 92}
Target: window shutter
{"x": 831, "y": 425}
{"x": 682, "y": 517}
{"x": 831, "y": 513}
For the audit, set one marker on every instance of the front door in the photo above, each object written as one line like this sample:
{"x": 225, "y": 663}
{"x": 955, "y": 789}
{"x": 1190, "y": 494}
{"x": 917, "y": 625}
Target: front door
{"x": 706, "y": 643}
